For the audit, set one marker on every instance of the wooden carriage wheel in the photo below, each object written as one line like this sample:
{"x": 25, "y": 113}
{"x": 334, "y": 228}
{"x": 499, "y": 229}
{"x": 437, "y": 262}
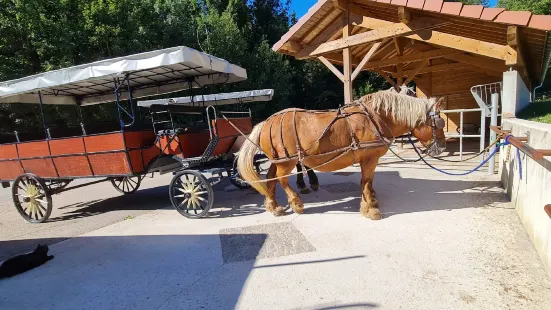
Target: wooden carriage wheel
{"x": 32, "y": 198}
{"x": 127, "y": 185}
{"x": 191, "y": 194}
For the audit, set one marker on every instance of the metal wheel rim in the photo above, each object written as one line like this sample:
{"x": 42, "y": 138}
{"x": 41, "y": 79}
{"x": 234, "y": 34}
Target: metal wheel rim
{"x": 127, "y": 185}
{"x": 31, "y": 199}
{"x": 191, "y": 195}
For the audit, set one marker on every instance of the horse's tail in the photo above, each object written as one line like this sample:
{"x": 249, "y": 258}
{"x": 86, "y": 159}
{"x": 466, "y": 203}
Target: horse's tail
{"x": 245, "y": 161}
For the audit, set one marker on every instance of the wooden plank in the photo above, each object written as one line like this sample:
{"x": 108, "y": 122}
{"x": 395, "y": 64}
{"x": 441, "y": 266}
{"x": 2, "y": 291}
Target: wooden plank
{"x": 399, "y": 74}
{"x": 347, "y": 57}
{"x": 410, "y": 78}
{"x": 445, "y": 67}
{"x": 478, "y": 47}
{"x": 399, "y": 46}
{"x": 513, "y": 40}
{"x": 366, "y": 58}
{"x": 487, "y": 63}
{"x": 368, "y": 22}
{"x": 340, "y": 4}
{"x": 324, "y": 36}
{"x": 404, "y": 15}
{"x": 294, "y": 46}
{"x": 391, "y": 31}
{"x": 331, "y": 67}
{"x": 412, "y": 58}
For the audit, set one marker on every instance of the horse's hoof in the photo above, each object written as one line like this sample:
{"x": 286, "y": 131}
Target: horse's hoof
{"x": 315, "y": 187}
{"x": 279, "y": 211}
{"x": 305, "y": 191}
{"x": 374, "y": 214}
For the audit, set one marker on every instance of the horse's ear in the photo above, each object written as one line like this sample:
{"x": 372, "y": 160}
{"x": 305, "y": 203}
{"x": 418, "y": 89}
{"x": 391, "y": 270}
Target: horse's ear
{"x": 438, "y": 105}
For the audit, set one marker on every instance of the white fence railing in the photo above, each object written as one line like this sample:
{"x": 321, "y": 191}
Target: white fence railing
{"x": 461, "y": 127}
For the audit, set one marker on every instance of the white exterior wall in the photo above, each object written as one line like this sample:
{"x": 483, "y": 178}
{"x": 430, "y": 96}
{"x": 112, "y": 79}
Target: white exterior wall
{"x": 530, "y": 195}
{"x": 516, "y": 96}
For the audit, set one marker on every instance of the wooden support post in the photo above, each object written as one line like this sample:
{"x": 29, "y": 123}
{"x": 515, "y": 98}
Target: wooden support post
{"x": 347, "y": 57}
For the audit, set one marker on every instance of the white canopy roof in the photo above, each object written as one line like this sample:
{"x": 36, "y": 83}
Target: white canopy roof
{"x": 215, "y": 99}
{"x": 152, "y": 73}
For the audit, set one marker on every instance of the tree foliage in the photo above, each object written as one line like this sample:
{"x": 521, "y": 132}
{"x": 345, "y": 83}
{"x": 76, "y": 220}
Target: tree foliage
{"x": 535, "y": 6}
{"x": 42, "y": 35}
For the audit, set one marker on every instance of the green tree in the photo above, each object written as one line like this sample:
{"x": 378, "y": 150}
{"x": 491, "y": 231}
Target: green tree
{"x": 535, "y": 6}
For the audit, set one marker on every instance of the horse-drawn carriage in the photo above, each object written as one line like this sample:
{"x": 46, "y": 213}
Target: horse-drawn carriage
{"x": 183, "y": 136}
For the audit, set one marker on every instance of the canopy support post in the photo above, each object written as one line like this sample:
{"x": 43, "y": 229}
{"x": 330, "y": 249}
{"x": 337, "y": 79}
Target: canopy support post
{"x": 43, "y": 117}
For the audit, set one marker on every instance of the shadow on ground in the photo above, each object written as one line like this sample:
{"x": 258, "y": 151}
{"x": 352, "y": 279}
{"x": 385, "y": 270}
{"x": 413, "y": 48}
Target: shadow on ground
{"x": 142, "y": 272}
{"x": 396, "y": 195}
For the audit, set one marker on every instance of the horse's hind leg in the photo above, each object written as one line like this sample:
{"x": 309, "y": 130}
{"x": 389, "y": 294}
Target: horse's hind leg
{"x": 294, "y": 200}
{"x": 369, "y": 206}
{"x": 314, "y": 182}
{"x": 300, "y": 180}
{"x": 271, "y": 203}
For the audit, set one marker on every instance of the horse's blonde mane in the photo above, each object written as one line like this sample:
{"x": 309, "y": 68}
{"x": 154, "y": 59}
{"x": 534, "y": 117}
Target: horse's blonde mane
{"x": 410, "y": 111}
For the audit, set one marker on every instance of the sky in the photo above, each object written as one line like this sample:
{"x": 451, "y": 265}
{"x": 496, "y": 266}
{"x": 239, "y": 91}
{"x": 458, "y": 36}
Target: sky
{"x": 302, "y": 6}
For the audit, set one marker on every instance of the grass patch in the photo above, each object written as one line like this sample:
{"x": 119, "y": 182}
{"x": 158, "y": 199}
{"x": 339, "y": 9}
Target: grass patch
{"x": 539, "y": 111}
{"x": 129, "y": 217}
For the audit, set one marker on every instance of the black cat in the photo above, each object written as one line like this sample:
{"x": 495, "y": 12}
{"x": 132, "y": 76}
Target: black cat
{"x": 25, "y": 262}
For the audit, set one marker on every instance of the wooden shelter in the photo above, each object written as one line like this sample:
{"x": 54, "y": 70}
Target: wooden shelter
{"x": 444, "y": 47}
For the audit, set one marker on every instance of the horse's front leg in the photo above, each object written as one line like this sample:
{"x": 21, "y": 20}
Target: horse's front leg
{"x": 369, "y": 206}
{"x": 271, "y": 204}
{"x": 294, "y": 200}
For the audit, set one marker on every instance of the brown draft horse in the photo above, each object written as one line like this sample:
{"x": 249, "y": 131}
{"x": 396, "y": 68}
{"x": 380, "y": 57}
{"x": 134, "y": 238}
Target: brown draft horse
{"x": 360, "y": 132}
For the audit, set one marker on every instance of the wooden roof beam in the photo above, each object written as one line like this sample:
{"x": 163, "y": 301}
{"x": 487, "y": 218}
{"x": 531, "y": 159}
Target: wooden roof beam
{"x": 388, "y": 79}
{"x": 415, "y": 71}
{"x": 482, "y": 62}
{"x": 332, "y": 68}
{"x": 390, "y": 31}
{"x": 412, "y": 58}
{"x": 438, "y": 68}
{"x": 513, "y": 40}
{"x": 366, "y": 58}
{"x": 340, "y": 4}
{"x": 503, "y": 52}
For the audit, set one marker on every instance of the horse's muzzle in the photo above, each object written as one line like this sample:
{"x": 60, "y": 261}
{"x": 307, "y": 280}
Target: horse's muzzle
{"x": 437, "y": 148}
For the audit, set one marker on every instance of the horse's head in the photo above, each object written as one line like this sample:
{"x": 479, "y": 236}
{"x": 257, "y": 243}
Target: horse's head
{"x": 431, "y": 132}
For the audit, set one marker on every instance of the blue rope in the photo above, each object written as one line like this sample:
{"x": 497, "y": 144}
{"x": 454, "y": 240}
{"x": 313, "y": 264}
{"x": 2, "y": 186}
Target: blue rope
{"x": 468, "y": 172}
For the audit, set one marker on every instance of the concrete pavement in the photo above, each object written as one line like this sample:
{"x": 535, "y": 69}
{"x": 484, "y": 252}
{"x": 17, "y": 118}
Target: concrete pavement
{"x": 444, "y": 243}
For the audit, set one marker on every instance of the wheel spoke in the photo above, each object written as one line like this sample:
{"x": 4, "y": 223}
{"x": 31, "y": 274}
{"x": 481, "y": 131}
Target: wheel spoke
{"x": 183, "y": 190}
{"x": 180, "y": 196}
{"x": 133, "y": 181}
{"x": 40, "y": 212}
{"x": 201, "y": 198}
{"x": 201, "y": 193}
{"x": 41, "y": 206}
{"x": 182, "y": 203}
{"x": 23, "y": 189}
